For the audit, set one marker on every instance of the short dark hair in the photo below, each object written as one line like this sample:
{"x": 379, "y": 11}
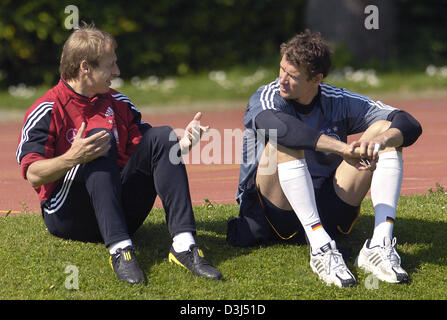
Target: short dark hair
{"x": 309, "y": 50}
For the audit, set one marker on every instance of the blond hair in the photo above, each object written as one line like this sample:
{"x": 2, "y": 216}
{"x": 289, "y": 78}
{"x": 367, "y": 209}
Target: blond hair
{"x": 86, "y": 43}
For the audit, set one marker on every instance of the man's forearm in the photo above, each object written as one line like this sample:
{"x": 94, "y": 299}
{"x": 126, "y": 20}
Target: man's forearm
{"x": 328, "y": 144}
{"x": 391, "y": 138}
{"x": 48, "y": 170}
{"x": 82, "y": 150}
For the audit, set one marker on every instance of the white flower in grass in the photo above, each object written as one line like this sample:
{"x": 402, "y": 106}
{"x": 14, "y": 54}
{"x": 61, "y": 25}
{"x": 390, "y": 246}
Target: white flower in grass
{"x": 220, "y": 77}
{"x": 117, "y": 83}
{"x": 21, "y": 91}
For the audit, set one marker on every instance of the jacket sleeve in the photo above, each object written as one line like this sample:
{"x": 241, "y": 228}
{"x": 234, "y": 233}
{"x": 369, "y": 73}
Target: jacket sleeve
{"x": 363, "y": 112}
{"x": 35, "y": 141}
{"x": 136, "y": 127}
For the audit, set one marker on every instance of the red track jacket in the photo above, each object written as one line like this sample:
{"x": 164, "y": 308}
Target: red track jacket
{"x": 51, "y": 124}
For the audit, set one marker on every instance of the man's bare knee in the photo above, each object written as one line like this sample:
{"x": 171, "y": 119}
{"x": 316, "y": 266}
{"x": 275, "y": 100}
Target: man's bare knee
{"x": 267, "y": 179}
{"x": 286, "y": 154}
{"x": 273, "y": 155}
{"x": 375, "y": 129}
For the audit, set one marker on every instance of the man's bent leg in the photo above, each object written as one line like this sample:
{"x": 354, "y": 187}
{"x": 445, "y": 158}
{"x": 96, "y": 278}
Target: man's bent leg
{"x": 291, "y": 187}
{"x": 351, "y": 185}
{"x": 296, "y": 183}
{"x": 86, "y": 206}
{"x": 90, "y": 209}
{"x": 102, "y": 181}
{"x": 385, "y": 193}
{"x": 151, "y": 172}
{"x": 378, "y": 255}
{"x": 155, "y": 163}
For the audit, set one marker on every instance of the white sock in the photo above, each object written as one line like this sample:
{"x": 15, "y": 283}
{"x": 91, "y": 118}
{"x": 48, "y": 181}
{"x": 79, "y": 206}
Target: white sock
{"x": 296, "y": 183}
{"x": 182, "y": 241}
{"x": 385, "y": 192}
{"x": 119, "y": 245}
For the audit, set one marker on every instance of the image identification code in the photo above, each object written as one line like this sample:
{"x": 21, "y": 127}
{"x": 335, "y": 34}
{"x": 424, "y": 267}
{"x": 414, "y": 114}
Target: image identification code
{"x": 228, "y": 309}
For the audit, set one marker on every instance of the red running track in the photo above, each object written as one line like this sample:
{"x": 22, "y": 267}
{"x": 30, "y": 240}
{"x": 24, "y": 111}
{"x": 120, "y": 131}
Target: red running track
{"x": 425, "y": 162}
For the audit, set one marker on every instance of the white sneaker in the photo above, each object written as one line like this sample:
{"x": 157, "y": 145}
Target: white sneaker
{"x": 382, "y": 261}
{"x": 329, "y": 265}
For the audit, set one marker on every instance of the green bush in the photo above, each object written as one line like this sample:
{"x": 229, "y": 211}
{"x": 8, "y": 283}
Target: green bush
{"x": 421, "y": 32}
{"x": 168, "y": 37}
{"x": 154, "y": 37}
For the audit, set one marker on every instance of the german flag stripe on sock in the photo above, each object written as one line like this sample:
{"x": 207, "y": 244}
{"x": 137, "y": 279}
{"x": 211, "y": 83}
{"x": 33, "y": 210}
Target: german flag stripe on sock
{"x": 390, "y": 220}
{"x": 316, "y": 226}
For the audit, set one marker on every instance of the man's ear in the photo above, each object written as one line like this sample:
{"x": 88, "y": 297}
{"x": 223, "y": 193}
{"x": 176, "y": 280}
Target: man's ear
{"x": 318, "y": 78}
{"x": 84, "y": 68}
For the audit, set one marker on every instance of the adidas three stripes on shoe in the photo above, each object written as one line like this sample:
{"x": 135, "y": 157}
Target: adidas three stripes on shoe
{"x": 327, "y": 262}
{"x": 383, "y": 261}
{"x": 126, "y": 266}
{"x": 194, "y": 261}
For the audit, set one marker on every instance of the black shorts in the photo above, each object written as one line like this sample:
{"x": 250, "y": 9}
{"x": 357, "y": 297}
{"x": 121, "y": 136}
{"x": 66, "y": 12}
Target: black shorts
{"x": 259, "y": 220}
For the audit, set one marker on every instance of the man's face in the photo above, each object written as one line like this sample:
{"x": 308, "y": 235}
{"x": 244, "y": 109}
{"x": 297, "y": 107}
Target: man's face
{"x": 294, "y": 83}
{"x": 101, "y": 76}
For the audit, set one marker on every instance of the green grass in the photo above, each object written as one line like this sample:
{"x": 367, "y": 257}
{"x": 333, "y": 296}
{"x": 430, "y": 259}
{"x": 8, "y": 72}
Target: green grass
{"x": 241, "y": 82}
{"x": 33, "y": 261}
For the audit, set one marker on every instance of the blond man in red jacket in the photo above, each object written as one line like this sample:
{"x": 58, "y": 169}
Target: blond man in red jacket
{"x": 97, "y": 167}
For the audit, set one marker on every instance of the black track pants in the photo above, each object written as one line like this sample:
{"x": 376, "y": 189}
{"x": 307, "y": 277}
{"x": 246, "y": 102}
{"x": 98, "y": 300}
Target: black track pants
{"x": 96, "y": 202}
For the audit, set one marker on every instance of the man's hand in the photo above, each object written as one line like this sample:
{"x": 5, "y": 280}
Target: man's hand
{"x": 82, "y": 150}
{"x": 87, "y": 149}
{"x": 367, "y": 149}
{"x": 193, "y": 133}
{"x": 363, "y": 154}
{"x": 351, "y": 153}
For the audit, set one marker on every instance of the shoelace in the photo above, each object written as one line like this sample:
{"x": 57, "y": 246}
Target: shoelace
{"x": 389, "y": 254}
{"x": 336, "y": 257}
{"x": 392, "y": 255}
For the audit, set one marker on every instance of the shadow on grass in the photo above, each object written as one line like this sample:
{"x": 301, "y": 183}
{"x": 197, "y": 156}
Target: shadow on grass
{"x": 424, "y": 241}
{"x": 153, "y": 242}
{"x": 429, "y": 238}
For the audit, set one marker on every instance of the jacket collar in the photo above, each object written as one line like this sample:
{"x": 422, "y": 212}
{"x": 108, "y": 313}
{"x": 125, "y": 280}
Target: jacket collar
{"x": 307, "y": 108}
{"x": 73, "y": 94}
